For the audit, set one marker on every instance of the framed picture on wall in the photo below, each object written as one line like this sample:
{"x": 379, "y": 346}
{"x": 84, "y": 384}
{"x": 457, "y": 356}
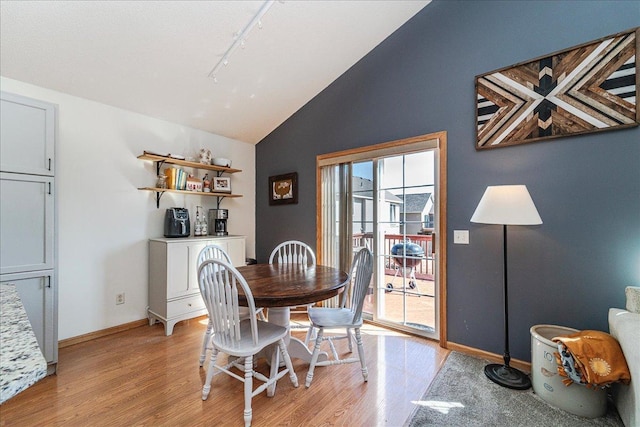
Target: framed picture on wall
{"x": 283, "y": 189}
{"x": 588, "y": 88}
{"x": 221, "y": 184}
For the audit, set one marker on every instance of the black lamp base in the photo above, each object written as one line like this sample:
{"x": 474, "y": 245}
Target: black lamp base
{"x": 507, "y": 376}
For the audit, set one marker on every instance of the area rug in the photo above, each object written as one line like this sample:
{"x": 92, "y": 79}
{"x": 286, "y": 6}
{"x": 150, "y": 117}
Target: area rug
{"x": 461, "y": 395}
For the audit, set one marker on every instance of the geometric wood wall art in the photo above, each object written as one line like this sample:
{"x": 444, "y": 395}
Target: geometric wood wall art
{"x": 588, "y": 88}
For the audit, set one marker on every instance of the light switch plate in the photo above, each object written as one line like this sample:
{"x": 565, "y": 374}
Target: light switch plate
{"x": 461, "y": 237}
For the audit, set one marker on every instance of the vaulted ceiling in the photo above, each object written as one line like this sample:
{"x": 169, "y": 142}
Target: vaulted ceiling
{"x": 156, "y": 57}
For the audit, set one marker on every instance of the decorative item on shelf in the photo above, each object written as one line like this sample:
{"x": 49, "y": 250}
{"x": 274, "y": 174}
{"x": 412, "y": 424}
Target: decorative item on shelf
{"x": 221, "y": 161}
{"x": 206, "y": 183}
{"x": 205, "y": 156}
{"x": 176, "y": 178}
{"x": 283, "y": 189}
{"x": 170, "y": 178}
{"x": 221, "y": 184}
{"x": 506, "y": 205}
{"x": 161, "y": 182}
{"x": 193, "y": 184}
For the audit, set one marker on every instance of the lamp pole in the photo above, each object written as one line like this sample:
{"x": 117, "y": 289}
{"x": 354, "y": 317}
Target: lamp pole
{"x": 504, "y": 374}
{"x": 507, "y": 356}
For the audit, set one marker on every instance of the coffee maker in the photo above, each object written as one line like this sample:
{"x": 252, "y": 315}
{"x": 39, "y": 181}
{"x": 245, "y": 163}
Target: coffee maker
{"x": 218, "y": 222}
{"x": 176, "y": 223}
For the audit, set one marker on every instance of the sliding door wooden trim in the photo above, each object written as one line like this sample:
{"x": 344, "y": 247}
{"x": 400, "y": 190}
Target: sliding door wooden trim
{"x": 442, "y": 238}
{"x": 437, "y": 140}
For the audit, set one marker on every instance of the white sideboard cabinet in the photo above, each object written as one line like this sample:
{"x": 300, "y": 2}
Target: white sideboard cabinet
{"x": 174, "y": 294}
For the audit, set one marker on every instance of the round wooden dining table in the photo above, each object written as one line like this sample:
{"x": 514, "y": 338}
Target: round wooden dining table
{"x": 281, "y": 286}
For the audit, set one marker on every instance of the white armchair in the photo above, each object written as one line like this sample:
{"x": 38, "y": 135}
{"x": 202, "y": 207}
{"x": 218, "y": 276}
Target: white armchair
{"x": 624, "y": 325}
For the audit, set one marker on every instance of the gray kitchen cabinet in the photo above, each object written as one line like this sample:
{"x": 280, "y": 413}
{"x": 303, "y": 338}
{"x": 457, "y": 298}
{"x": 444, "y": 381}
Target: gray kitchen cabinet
{"x": 37, "y": 292}
{"x": 28, "y": 128}
{"x": 174, "y": 294}
{"x": 27, "y": 213}
{"x": 26, "y": 221}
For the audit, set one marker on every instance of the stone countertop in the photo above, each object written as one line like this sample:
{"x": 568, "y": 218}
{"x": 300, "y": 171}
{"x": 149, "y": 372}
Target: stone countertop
{"x": 21, "y": 361}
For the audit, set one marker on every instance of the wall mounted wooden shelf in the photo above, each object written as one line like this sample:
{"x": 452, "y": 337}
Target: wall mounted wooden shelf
{"x": 160, "y": 160}
{"x": 170, "y": 160}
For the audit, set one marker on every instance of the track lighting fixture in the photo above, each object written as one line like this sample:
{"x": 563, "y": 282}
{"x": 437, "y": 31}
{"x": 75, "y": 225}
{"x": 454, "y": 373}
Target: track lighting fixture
{"x": 239, "y": 39}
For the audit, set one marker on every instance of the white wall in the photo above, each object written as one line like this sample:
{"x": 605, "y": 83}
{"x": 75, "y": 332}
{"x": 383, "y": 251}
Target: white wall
{"x": 104, "y": 221}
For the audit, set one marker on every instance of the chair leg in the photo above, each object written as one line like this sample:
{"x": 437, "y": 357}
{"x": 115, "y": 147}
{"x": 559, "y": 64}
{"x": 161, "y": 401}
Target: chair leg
{"x": 310, "y": 335}
{"x": 314, "y": 358}
{"x": 349, "y": 338}
{"x": 248, "y": 389}
{"x": 363, "y": 365}
{"x": 275, "y": 365}
{"x": 207, "y": 384}
{"x": 205, "y": 343}
{"x": 288, "y": 363}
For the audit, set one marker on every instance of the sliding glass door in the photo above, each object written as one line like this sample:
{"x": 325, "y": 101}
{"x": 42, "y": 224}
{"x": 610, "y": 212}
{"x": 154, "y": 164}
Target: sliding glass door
{"x": 387, "y": 200}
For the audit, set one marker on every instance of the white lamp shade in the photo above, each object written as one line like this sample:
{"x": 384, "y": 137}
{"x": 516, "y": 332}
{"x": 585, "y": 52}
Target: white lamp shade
{"x": 506, "y": 205}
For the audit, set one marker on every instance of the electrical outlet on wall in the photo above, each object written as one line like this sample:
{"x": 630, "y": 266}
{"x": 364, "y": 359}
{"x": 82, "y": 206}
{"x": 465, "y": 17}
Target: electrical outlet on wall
{"x": 120, "y": 298}
{"x": 461, "y": 237}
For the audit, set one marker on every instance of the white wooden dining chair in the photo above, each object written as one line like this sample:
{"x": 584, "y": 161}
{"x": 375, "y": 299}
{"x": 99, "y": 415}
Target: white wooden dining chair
{"x": 220, "y": 284}
{"x": 347, "y": 315}
{"x": 293, "y": 252}
{"x": 216, "y": 252}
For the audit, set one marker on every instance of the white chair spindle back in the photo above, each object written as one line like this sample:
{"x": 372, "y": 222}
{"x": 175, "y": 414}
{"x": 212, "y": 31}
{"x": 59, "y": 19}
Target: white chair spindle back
{"x": 361, "y": 272}
{"x": 293, "y": 252}
{"x": 213, "y": 252}
{"x": 219, "y": 283}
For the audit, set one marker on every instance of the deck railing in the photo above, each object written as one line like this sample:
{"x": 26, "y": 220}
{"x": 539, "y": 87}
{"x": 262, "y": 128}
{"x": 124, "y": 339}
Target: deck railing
{"x": 423, "y": 270}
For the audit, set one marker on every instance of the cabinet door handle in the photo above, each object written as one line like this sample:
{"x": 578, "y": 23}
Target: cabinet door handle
{"x": 49, "y": 188}
{"x": 49, "y": 163}
{"x": 49, "y": 282}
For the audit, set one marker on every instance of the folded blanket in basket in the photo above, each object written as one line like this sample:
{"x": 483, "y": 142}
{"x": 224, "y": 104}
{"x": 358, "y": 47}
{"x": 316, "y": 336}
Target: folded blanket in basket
{"x": 591, "y": 358}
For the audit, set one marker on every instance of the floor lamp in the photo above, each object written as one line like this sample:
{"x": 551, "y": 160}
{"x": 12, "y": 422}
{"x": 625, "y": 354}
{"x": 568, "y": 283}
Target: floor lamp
{"x": 506, "y": 205}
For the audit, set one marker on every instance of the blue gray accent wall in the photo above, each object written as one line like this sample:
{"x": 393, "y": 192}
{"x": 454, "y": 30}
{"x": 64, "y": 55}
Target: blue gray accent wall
{"x": 420, "y": 80}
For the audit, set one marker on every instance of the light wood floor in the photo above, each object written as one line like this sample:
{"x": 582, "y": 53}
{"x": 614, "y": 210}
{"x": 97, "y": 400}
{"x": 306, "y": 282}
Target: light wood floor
{"x": 142, "y": 378}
